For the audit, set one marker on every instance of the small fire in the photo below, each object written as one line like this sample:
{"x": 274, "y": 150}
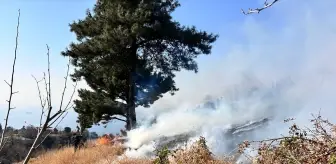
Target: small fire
{"x": 110, "y": 140}
{"x": 104, "y": 140}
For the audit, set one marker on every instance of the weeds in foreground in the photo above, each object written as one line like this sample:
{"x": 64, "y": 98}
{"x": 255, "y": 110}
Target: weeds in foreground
{"x": 315, "y": 145}
{"x": 198, "y": 153}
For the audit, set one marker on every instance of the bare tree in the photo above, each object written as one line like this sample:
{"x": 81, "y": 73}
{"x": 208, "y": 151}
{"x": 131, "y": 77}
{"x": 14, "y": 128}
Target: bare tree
{"x": 2, "y": 141}
{"x": 257, "y": 10}
{"x": 46, "y": 108}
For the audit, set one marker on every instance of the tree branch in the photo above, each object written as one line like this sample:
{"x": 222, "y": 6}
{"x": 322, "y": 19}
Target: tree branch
{"x": 118, "y": 119}
{"x": 42, "y": 103}
{"x": 49, "y": 85}
{"x": 257, "y": 10}
{"x": 58, "y": 115}
{"x": 50, "y": 132}
{"x": 11, "y": 84}
{"x": 67, "y": 106}
{"x": 65, "y": 84}
{"x": 50, "y": 118}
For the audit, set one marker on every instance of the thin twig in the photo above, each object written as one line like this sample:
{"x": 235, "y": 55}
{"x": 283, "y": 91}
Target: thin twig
{"x": 57, "y": 116}
{"x": 41, "y": 100}
{"x": 118, "y": 119}
{"x": 61, "y": 111}
{"x": 65, "y": 84}
{"x": 46, "y": 90}
{"x": 11, "y": 83}
{"x": 49, "y": 85}
{"x": 71, "y": 97}
{"x": 257, "y": 10}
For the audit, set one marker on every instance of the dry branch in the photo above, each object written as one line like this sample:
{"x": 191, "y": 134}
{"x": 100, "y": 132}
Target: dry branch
{"x": 42, "y": 102}
{"x": 116, "y": 118}
{"x": 302, "y": 145}
{"x": 50, "y": 132}
{"x": 258, "y": 10}
{"x": 2, "y": 142}
{"x": 50, "y": 119}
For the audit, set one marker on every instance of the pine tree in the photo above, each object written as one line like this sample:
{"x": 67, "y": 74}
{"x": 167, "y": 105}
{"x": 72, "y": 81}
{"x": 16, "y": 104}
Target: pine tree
{"x": 128, "y": 52}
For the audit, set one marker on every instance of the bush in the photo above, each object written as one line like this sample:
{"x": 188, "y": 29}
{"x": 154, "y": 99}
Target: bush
{"x": 310, "y": 146}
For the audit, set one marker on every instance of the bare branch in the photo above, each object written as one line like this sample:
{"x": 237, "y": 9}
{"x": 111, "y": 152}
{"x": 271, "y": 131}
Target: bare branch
{"x": 258, "y": 10}
{"x": 118, "y": 119}
{"x": 41, "y": 100}
{"x": 61, "y": 111}
{"x": 58, "y": 113}
{"x": 49, "y": 84}
{"x": 49, "y": 109}
{"x": 55, "y": 117}
{"x": 65, "y": 83}
{"x": 11, "y": 83}
{"x": 50, "y": 132}
{"x": 7, "y": 83}
{"x": 50, "y": 118}
{"x": 46, "y": 88}
{"x": 71, "y": 97}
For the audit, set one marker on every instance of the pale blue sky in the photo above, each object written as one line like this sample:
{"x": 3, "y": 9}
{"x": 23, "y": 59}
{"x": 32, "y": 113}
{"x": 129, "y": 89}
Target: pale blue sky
{"x": 46, "y": 22}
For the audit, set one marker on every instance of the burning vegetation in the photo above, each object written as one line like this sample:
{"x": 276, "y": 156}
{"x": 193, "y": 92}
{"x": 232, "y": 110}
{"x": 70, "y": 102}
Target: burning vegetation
{"x": 110, "y": 139}
{"x": 302, "y": 145}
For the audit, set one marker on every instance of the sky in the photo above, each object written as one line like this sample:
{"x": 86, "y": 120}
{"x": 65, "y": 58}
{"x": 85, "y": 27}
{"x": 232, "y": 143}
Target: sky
{"x": 285, "y": 40}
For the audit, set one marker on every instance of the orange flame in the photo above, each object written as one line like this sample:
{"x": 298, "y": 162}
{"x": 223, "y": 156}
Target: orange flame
{"x": 104, "y": 140}
{"x": 110, "y": 140}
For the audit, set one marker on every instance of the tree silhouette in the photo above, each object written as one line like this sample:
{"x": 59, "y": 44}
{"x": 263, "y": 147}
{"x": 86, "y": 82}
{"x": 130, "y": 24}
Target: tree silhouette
{"x": 67, "y": 130}
{"x": 128, "y": 53}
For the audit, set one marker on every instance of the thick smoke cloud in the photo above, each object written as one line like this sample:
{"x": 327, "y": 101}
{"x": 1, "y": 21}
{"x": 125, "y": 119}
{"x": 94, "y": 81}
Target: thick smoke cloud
{"x": 282, "y": 66}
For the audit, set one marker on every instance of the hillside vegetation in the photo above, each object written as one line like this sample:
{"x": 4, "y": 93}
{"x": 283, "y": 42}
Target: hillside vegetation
{"x": 309, "y": 146}
{"x": 109, "y": 154}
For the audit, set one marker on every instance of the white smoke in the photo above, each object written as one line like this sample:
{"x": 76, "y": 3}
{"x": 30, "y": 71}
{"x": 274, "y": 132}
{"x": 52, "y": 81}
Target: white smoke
{"x": 283, "y": 66}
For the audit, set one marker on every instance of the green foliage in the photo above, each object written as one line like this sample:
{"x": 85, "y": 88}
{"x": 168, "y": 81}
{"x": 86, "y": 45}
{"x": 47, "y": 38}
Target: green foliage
{"x": 67, "y": 130}
{"x": 9, "y": 129}
{"x": 93, "y": 135}
{"x": 94, "y": 108}
{"x": 86, "y": 133}
{"x": 29, "y": 132}
{"x": 129, "y": 51}
{"x": 48, "y": 142}
{"x": 332, "y": 159}
{"x": 162, "y": 156}
{"x": 55, "y": 130}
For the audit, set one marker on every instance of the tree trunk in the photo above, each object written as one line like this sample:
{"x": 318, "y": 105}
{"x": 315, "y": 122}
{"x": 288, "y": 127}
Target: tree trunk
{"x": 131, "y": 115}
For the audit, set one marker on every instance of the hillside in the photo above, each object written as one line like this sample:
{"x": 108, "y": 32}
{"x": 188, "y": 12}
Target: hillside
{"x": 311, "y": 146}
{"x": 109, "y": 154}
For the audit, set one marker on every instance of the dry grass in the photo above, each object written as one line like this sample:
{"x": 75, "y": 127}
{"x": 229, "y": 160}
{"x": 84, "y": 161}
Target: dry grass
{"x": 87, "y": 155}
{"x": 301, "y": 146}
{"x": 198, "y": 153}
{"x": 107, "y": 154}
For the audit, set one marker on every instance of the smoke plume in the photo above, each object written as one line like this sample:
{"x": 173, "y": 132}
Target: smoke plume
{"x": 281, "y": 66}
